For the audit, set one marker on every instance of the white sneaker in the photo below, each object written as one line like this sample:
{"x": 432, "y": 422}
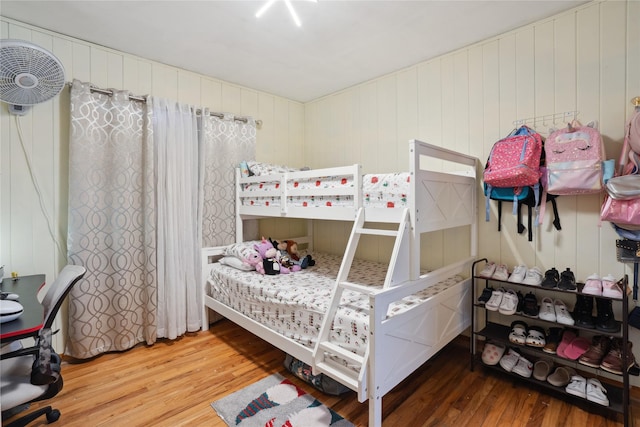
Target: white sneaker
{"x": 596, "y": 392}
{"x": 610, "y": 287}
{"x": 524, "y": 368}
{"x": 562, "y": 314}
{"x": 547, "y": 311}
{"x": 509, "y": 302}
{"x": 533, "y": 277}
{"x": 517, "y": 276}
{"x": 501, "y": 273}
{"x": 593, "y": 285}
{"x": 496, "y": 299}
{"x": 577, "y": 386}
{"x": 509, "y": 360}
{"x": 488, "y": 270}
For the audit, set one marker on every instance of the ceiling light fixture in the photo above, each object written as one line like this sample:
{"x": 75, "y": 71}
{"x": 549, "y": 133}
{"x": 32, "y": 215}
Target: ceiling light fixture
{"x": 292, "y": 11}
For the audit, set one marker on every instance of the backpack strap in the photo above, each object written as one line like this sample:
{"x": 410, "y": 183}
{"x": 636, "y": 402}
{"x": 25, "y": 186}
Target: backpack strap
{"x": 556, "y": 217}
{"x": 521, "y": 226}
{"x": 499, "y": 215}
{"x": 486, "y": 203}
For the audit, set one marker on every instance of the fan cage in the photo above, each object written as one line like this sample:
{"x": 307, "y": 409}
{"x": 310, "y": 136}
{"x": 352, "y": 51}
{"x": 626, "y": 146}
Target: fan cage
{"x": 25, "y": 62}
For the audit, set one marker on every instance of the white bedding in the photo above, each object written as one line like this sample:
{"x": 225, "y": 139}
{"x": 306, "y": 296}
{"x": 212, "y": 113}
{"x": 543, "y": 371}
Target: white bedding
{"x": 293, "y": 304}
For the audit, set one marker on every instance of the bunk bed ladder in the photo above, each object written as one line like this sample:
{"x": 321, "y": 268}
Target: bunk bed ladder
{"x": 398, "y": 272}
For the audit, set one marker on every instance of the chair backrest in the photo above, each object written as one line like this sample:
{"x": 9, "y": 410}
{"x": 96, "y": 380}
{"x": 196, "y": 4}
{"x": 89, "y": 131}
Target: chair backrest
{"x": 58, "y": 291}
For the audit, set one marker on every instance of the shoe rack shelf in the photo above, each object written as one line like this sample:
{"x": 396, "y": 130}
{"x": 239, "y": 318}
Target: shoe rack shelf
{"x": 618, "y": 394}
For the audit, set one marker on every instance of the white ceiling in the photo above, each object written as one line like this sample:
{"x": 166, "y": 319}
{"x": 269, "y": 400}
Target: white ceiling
{"x": 340, "y": 43}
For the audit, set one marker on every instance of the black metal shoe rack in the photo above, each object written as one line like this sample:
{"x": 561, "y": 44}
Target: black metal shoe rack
{"x": 496, "y": 328}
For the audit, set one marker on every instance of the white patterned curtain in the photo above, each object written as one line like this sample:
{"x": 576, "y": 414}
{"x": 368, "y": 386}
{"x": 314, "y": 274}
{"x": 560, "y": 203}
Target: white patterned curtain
{"x": 112, "y": 221}
{"x": 175, "y": 135}
{"x": 226, "y": 142}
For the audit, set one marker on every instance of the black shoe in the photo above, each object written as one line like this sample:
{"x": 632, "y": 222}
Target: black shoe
{"x": 567, "y": 281}
{"x": 530, "y": 305}
{"x": 485, "y": 296}
{"x": 520, "y": 303}
{"x": 583, "y": 312}
{"x": 605, "y": 321}
{"x": 551, "y": 278}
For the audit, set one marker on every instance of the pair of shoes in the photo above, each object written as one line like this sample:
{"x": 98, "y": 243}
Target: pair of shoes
{"x": 567, "y": 281}
{"x": 535, "y": 337}
{"x": 583, "y": 312}
{"x": 513, "y": 362}
{"x": 591, "y": 389}
{"x": 607, "y": 286}
{"x": 530, "y": 305}
{"x": 533, "y": 277}
{"x": 572, "y": 346}
{"x": 485, "y": 296}
{"x": 518, "y": 274}
{"x": 555, "y": 311}
{"x": 488, "y": 270}
{"x": 599, "y": 348}
{"x": 551, "y": 278}
{"x": 561, "y": 376}
{"x": 613, "y": 362}
{"x": 509, "y": 303}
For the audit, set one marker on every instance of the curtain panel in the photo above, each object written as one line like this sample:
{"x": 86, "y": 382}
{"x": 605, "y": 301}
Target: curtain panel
{"x": 112, "y": 223}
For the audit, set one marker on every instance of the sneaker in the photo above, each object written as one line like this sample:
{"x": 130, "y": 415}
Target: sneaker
{"x": 577, "y": 386}
{"x": 496, "y": 299}
{"x": 596, "y": 392}
{"x": 520, "y": 302}
{"x": 509, "y": 302}
{"x": 533, "y": 277}
{"x": 485, "y": 296}
{"x": 488, "y": 270}
{"x": 530, "y": 305}
{"x": 524, "y": 368}
{"x": 551, "y": 278}
{"x": 500, "y": 273}
{"x": 547, "y": 310}
{"x": 567, "y": 281}
{"x": 562, "y": 314}
{"x": 610, "y": 287}
{"x": 593, "y": 285}
{"x": 517, "y": 276}
{"x": 509, "y": 360}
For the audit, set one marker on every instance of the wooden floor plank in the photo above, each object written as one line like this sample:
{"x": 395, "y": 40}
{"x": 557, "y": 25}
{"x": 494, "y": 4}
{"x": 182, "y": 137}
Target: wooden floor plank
{"x": 174, "y": 383}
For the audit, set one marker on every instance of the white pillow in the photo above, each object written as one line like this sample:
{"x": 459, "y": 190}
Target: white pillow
{"x": 243, "y": 250}
{"x": 236, "y": 263}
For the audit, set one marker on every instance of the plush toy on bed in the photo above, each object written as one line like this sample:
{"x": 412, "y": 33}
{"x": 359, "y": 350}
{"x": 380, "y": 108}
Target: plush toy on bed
{"x": 289, "y": 250}
{"x": 292, "y": 250}
{"x": 268, "y": 253}
{"x": 283, "y": 256}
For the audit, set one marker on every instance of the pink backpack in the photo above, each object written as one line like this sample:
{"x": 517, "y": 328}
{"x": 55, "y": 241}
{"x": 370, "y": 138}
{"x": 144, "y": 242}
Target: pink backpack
{"x": 574, "y": 157}
{"x": 515, "y": 160}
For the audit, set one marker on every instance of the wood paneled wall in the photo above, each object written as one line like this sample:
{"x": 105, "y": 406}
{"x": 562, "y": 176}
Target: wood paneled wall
{"x": 587, "y": 60}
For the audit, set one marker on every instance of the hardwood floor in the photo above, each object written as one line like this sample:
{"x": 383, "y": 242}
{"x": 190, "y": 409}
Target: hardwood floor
{"x": 174, "y": 383}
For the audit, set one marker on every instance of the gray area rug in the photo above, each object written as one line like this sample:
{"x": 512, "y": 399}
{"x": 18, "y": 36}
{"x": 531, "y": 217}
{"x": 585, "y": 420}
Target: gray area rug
{"x": 275, "y": 402}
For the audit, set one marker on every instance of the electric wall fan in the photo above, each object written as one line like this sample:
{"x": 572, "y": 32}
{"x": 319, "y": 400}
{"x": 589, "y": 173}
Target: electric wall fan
{"x": 29, "y": 75}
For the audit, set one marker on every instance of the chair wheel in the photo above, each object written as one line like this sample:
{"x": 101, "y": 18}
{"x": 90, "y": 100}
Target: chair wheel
{"x": 53, "y": 416}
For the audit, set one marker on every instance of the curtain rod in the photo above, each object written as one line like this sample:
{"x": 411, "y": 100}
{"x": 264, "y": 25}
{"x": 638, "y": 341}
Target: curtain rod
{"x": 144, "y": 100}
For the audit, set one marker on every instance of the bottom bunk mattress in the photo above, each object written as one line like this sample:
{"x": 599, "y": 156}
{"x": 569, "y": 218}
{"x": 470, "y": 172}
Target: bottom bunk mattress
{"x": 294, "y": 304}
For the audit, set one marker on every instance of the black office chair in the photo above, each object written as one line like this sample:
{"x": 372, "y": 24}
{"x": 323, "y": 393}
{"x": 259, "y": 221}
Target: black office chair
{"x": 32, "y": 374}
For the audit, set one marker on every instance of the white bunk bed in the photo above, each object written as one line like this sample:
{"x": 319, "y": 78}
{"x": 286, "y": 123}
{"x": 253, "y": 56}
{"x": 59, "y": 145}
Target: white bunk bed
{"x": 439, "y": 197}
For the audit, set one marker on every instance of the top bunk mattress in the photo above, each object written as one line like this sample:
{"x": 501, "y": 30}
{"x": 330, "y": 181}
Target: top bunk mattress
{"x": 294, "y": 304}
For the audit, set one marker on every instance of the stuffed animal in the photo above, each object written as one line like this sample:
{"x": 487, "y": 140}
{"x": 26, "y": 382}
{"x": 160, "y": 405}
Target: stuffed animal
{"x": 291, "y": 247}
{"x": 268, "y": 253}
